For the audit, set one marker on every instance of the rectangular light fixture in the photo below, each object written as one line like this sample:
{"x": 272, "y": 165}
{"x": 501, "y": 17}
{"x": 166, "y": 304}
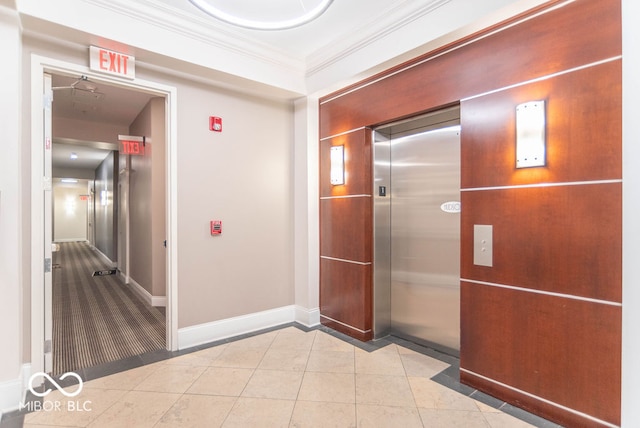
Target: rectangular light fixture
{"x": 530, "y": 134}
{"x": 337, "y": 165}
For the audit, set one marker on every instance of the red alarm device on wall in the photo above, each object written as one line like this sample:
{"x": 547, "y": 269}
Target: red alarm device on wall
{"x": 215, "y": 124}
{"x": 216, "y": 227}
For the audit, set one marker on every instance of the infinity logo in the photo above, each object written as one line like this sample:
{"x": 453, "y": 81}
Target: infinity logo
{"x": 58, "y": 387}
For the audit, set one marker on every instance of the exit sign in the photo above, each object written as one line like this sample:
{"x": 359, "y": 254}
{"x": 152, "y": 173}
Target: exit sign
{"x": 111, "y": 62}
{"x": 132, "y": 145}
{"x": 135, "y": 148}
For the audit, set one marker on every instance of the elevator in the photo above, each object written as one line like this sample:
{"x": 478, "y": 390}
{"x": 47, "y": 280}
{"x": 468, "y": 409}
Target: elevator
{"x": 417, "y": 230}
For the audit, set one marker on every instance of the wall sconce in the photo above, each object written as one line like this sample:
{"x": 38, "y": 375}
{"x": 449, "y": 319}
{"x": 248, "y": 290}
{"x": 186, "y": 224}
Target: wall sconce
{"x": 530, "y": 134}
{"x": 337, "y": 165}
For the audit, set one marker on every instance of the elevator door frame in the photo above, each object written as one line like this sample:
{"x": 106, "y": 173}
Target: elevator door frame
{"x": 382, "y": 136}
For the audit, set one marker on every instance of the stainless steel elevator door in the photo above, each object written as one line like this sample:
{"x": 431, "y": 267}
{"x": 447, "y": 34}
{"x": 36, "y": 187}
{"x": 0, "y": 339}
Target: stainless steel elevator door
{"x": 425, "y": 237}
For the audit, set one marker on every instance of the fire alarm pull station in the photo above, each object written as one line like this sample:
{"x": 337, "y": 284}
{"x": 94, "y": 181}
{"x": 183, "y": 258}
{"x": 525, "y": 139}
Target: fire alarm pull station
{"x": 215, "y": 124}
{"x": 216, "y": 227}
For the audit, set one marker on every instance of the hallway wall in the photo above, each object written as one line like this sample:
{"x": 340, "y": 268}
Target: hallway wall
{"x": 243, "y": 177}
{"x": 69, "y": 211}
{"x": 542, "y": 327}
{"x": 147, "y": 201}
{"x": 105, "y": 205}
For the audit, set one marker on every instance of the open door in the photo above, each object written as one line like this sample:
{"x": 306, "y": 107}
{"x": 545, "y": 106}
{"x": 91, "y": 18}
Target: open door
{"x": 48, "y": 225}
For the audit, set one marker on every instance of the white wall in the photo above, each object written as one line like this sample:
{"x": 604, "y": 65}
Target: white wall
{"x": 69, "y": 212}
{"x": 630, "y": 214}
{"x": 11, "y": 333}
{"x": 306, "y": 210}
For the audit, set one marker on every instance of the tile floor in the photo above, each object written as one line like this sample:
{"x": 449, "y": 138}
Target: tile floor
{"x": 286, "y": 377}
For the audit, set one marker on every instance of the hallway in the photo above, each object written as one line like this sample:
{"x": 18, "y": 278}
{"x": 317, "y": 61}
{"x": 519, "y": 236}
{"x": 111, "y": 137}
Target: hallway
{"x": 287, "y": 377}
{"x": 97, "y": 319}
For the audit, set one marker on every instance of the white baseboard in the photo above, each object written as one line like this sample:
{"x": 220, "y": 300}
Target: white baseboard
{"x": 230, "y": 327}
{"x": 104, "y": 257}
{"x": 12, "y": 391}
{"x": 146, "y": 296}
{"x": 307, "y": 317}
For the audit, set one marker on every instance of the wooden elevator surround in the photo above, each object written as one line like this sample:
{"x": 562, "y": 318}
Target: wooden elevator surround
{"x": 542, "y": 327}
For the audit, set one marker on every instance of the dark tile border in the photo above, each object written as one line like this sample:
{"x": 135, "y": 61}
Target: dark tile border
{"x": 449, "y": 377}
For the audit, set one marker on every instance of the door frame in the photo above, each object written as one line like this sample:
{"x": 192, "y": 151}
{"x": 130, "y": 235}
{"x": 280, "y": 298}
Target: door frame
{"x": 39, "y": 66}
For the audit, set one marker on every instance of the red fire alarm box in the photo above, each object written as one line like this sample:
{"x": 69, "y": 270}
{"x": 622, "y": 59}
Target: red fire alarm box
{"x": 216, "y": 227}
{"x": 215, "y": 124}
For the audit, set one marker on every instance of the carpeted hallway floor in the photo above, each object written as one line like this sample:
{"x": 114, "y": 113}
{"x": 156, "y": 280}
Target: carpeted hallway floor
{"x": 97, "y": 319}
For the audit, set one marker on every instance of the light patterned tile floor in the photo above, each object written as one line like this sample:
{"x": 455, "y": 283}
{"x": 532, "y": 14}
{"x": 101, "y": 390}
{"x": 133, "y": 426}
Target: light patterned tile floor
{"x": 282, "y": 378}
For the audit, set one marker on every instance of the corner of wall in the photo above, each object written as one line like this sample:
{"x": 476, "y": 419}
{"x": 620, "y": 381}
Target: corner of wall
{"x": 12, "y": 391}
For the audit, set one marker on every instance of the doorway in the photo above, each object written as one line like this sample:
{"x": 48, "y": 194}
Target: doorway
{"x": 41, "y": 194}
{"x": 100, "y": 314}
{"x": 417, "y": 230}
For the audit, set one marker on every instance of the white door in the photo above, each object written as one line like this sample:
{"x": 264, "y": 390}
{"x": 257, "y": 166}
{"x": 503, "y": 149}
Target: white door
{"x": 48, "y": 225}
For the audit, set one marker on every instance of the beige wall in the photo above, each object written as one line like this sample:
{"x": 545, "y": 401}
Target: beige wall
{"x": 147, "y": 205}
{"x": 242, "y": 176}
{"x": 69, "y": 212}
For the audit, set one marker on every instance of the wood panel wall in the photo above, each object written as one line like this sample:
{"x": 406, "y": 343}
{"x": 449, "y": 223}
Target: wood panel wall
{"x": 346, "y": 224}
{"x": 542, "y": 327}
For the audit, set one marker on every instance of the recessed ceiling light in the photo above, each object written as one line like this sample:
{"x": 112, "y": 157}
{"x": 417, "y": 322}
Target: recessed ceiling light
{"x": 73, "y": 156}
{"x": 68, "y": 180}
{"x": 296, "y": 21}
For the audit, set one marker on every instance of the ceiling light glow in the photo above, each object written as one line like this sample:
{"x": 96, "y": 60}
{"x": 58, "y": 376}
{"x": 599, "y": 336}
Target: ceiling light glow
{"x": 286, "y": 24}
{"x": 73, "y": 156}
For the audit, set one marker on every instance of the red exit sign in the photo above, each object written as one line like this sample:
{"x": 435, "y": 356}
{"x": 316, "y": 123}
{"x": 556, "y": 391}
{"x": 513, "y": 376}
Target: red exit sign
{"x": 111, "y": 62}
{"x": 135, "y": 148}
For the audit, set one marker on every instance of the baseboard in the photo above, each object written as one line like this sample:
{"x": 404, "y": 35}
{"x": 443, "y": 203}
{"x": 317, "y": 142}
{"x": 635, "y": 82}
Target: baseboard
{"x": 12, "y": 391}
{"x": 146, "y": 296}
{"x": 307, "y": 317}
{"x": 230, "y": 327}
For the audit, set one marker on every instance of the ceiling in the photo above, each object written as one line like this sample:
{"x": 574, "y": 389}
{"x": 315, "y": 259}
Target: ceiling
{"x": 344, "y": 24}
{"x": 81, "y": 99}
{"x": 75, "y": 98}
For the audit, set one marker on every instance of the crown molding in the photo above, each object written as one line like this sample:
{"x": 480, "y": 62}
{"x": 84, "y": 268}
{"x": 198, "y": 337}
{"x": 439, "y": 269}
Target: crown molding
{"x": 168, "y": 18}
{"x": 381, "y": 26}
